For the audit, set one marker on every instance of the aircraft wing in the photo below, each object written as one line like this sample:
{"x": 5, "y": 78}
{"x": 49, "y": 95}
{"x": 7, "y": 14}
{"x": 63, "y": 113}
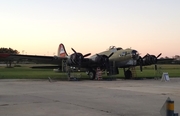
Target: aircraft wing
{"x": 165, "y": 61}
{"x": 33, "y": 58}
{"x": 57, "y": 60}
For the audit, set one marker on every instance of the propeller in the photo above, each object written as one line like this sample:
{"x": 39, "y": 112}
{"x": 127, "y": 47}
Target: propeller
{"x": 103, "y": 60}
{"x": 155, "y": 66}
{"x": 110, "y": 54}
{"x": 80, "y": 53}
{"x": 86, "y": 55}
{"x": 77, "y": 58}
{"x": 158, "y": 55}
{"x": 148, "y": 60}
{"x": 73, "y": 50}
{"x": 140, "y": 62}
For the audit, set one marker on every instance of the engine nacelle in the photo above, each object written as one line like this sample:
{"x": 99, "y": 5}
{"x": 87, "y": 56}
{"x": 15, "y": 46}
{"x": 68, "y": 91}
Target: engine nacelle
{"x": 75, "y": 59}
{"x": 102, "y": 61}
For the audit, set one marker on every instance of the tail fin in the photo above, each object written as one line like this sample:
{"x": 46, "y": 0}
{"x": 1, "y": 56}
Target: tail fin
{"x": 62, "y": 51}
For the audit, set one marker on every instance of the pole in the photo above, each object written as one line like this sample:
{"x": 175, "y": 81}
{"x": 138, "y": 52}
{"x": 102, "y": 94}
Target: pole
{"x": 170, "y": 108}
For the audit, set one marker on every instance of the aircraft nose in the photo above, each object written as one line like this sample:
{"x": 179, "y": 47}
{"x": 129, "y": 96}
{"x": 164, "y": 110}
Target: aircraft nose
{"x": 135, "y": 54}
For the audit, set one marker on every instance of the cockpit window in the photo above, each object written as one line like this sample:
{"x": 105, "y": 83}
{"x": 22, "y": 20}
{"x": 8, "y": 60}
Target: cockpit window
{"x": 119, "y": 48}
{"x": 114, "y": 48}
{"x": 134, "y": 52}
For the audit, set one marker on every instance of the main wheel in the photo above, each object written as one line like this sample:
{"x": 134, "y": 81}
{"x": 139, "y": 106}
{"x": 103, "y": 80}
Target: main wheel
{"x": 92, "y": 75}
{"x": 128, "y": 74}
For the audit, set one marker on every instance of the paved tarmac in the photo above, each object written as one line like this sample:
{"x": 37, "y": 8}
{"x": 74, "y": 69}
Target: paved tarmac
{"x": 86, "y": 98}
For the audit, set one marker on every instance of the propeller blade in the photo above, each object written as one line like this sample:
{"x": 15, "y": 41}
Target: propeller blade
{"x": 87, "y": 55}
{"x": 110, "y": 54}
{"x": 73, "y": 50}
{"x": 159, "y": 55}
{"x": 97, "y": 54}
{"x": 79, "y": 65}
{"x": 140, "y": 62}
{"x": 144, "y": 56}
{"x": 141, "y": 68}
{"x": 155, "y": 66}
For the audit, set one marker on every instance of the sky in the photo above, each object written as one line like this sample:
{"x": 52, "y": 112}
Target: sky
{"x": 37, "y": 27}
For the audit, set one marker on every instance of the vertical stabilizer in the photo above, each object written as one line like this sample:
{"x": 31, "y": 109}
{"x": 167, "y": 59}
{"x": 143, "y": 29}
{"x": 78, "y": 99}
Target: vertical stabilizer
{"x": 62, "y": 51}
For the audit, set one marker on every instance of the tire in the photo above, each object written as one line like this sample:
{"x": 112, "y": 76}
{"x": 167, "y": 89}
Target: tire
{"x": 92, "y": 75}
{"x": 128, "y": 74}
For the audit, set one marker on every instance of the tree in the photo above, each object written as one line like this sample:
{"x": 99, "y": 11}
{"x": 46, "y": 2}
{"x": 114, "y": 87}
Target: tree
{"x": 9, "y": 50}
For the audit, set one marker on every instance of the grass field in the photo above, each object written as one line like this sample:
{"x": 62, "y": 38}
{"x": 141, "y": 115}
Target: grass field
{"x": 25, "y": 72}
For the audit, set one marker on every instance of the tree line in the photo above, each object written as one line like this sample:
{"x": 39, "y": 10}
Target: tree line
{"x": 9, "y": 50}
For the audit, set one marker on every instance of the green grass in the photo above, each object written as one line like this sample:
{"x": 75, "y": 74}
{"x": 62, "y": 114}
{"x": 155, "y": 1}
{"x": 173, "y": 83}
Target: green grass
{"x": 24, "y": 72}
{"x": 29, "y": 73}
{"x": 149, "y": 72}
{"x": 173, "y": 70}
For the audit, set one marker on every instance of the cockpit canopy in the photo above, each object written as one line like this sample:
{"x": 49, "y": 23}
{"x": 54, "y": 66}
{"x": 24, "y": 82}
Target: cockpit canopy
{"x": 114, "y": 48}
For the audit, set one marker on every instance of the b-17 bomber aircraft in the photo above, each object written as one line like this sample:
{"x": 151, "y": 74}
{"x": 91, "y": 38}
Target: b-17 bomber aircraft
{"x": 109, "y": 60}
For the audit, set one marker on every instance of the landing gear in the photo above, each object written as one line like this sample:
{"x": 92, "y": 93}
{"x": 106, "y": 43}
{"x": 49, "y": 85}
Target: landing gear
{"x": 92, "y": 74}
{"x": 127, "y": 74}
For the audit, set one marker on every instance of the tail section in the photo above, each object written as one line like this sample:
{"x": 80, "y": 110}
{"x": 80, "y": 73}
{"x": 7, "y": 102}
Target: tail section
{"x": 62, "y": 51}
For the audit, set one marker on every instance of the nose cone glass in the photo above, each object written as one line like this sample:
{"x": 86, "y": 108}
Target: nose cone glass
{"x": 135, "y": 54}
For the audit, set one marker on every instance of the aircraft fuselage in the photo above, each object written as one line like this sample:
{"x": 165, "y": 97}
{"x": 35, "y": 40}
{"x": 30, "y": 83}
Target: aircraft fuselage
{"x": 122, "y": 57}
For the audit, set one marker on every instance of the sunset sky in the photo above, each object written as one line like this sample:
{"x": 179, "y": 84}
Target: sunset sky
{"x": 37, "y": 27}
